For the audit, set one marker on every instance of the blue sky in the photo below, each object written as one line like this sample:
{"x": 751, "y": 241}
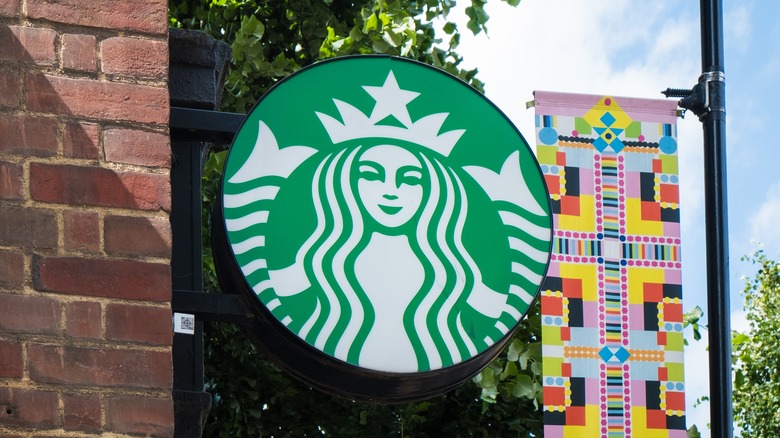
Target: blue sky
{"x": 638, "y": 48}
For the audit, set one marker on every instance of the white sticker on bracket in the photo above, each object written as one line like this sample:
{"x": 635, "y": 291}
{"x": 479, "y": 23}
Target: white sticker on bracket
{"x": 184, "y": 323}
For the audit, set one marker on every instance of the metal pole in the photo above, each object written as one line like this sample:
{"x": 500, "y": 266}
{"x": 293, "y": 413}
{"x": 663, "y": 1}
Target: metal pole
{"x": 716, "y": 210}
{"x": 198, "y": 64}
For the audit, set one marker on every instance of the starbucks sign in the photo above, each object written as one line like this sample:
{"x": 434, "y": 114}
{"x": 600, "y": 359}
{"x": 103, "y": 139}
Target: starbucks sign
{"x": 389, "y": 226}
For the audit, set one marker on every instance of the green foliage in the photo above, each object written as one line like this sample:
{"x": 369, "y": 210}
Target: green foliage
{"x": 693, "y": 432}
{"x": 270, "y": 40}
{"x": 516, "y": 373}
{"x": 756, "y": 354}
{"x": 691, "y": 318}
{"x": 273, "y": 39}
{"x": 254, "y": 398}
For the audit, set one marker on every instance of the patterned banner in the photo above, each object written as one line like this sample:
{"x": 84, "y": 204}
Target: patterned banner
{"x": 611, "y": 303}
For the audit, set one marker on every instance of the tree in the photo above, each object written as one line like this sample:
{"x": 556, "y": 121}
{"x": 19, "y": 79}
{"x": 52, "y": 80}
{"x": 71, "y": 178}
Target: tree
{"x": 756, "y": 354}
{"x": 271, "y": 40}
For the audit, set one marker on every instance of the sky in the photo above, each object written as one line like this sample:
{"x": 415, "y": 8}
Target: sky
{"x": 637, "y": 48}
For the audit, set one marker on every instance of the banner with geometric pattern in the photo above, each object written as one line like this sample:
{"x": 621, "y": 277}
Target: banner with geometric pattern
{"x": 611, "y": 303}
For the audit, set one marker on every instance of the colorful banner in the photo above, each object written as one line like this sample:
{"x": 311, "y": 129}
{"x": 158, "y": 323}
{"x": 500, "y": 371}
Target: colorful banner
{"x": 611, "y": 303}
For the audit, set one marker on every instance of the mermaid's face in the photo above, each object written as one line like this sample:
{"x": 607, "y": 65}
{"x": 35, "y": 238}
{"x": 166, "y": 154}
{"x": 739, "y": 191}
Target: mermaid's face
{"x": 390, "y": 184}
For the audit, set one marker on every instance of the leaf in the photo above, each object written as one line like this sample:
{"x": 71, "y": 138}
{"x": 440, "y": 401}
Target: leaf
{"x": 509, "y": 371}
{"x": 473, "y": 23}
{"x": 488, "y": 383}
{"x": 738, "y": 339}
{"x": 514, "y": 350}
{"x": 380, "y": 46}
{"x": 371, "y": 24}
{"x": 693, "y": 432}
{"x": 477, "y": 17}
{"x": 739, "y": 379}
{"x": 251, "y": 26}
{"x": 692, "y": 316}
{"x": 523, "y": 359}
{"x": 392, "y": 39}
{"x": 523, "y": 387}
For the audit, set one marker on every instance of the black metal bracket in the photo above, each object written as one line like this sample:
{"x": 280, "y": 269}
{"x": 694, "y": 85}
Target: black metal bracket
{"x": 698, "y": 99}
{"x": 199, "y": 126}
{"x": 192, "y": 130}
{"x": 220, "y": 307}
{"x": 189, "y": 124}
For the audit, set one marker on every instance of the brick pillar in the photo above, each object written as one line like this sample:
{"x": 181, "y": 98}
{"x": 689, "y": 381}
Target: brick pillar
{"x": 85, "y": 239}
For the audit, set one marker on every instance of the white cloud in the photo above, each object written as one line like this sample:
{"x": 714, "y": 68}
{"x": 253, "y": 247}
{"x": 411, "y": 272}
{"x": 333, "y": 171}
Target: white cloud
{"x": 771, "y": 60}
{"x": 737, "y": 26}
{"x": 746, "y": 116}
{"x": 739, "y": 321}
{"x": 581, "y": 47}
{"x": 763, "y": 224}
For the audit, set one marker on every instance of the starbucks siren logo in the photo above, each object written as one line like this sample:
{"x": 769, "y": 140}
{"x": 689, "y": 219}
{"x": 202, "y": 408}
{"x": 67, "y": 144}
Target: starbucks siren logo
{"x": 371, "y": 243}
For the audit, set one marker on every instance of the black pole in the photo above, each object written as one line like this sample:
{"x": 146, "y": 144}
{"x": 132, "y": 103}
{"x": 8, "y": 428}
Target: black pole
{"x": 197, "y": 67}
{"x": 716, "y": 211}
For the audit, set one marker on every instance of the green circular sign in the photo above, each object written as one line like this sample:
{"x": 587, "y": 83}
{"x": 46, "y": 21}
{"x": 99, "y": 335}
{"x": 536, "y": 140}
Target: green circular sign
{"x": 387, "y": 221}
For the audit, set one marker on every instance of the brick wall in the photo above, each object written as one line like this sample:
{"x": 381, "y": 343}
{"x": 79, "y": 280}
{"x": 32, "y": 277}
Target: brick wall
{"x": 85, "y": 240}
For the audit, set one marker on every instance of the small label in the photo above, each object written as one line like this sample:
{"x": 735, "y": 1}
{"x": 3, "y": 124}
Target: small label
{"x": 184, "y": 323}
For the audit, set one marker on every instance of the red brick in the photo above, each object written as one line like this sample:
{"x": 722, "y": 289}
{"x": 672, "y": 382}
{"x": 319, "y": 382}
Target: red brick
{"x": 130, "y": 146}
{"x": 11, "y": 269}
{"x": 82, "y": 412}
{"x": 92, "y": 98}
{"x": 103, "y": 367}
{"x": 134, "y": 56}
{"x": 31, "y": 136}
{"x": 81, "y": 231}
{"x": 11, "y": 364}
{"x": 29, "y": 408}
{"x": 27, "y": 314}
{"x": 144, "y": 16}
{"x": 11, "y": 181}
{"x": 140, "y": 415}
{"x": 81, "y": 141}
{"x": 9, "y": 8}
{"x": 78, "y": 52}
{"x": 76, "y": 185}
{"x": 151, "y": 325}
{"x": 27, "y": 227}
{"x": 28, "y": 45}
{"x": 127, "y": 279}
{"x": 83, "y": 320}
{"x": 9, "y": 83}
{"x": 137, "y": 236}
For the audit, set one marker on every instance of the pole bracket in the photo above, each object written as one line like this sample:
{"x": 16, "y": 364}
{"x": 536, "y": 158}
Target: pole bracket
{"x": 699, "y": 98}
{"x": 220, "y": 307}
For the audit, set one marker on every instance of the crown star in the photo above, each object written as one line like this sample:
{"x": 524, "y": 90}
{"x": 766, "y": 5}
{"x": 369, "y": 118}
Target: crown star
{"x": 390, "y": 100}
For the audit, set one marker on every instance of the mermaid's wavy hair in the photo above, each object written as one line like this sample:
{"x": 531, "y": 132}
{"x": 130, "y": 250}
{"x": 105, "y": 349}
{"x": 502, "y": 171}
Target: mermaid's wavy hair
{"x": 344, "y": 315}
